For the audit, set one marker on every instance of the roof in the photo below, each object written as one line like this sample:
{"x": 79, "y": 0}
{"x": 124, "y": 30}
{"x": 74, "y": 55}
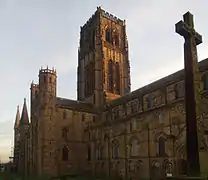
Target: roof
{"x": 24, "y": 117}
{"x": 177, "y": 76}
{"x": 75, "y": 105}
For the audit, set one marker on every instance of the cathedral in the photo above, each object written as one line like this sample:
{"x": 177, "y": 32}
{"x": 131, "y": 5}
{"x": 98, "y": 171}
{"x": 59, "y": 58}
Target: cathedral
{"x": 108, "y": 131}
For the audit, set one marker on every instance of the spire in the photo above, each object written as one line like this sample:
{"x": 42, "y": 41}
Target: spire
{"x": 17, "y": 120}
{"x": 24, "y": 117}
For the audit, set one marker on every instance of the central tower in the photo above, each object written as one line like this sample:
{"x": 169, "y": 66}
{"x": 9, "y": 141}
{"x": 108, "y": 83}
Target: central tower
{"x": 103, "y": 63}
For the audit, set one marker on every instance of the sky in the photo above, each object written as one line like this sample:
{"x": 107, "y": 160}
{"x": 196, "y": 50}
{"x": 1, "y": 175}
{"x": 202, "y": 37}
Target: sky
{"x": 38, "y": 33}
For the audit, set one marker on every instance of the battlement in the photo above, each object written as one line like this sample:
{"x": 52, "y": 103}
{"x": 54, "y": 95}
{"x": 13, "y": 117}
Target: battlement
{"x": 34, "y": 85}
{"x": 47, "y": 70}
{"x": 112, "y": 17}
{"x": 104, "y": 14}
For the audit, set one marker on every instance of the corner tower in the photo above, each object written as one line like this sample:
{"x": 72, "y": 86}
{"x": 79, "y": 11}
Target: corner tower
{"x": 103, "y": 62}
{"x": 46, "y": 127}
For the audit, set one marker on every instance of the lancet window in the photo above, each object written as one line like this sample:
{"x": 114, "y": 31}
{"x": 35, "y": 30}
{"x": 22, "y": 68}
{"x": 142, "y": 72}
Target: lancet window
{"x": 65, "y": 154}
{"x": 115, "y": 149}
{"x": 110, "y": 76}
{"x": 161, "y": 147}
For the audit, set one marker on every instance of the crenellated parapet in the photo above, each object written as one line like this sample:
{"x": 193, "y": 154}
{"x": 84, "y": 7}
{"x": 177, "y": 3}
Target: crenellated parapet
{"x": 112, "y": 17}
{"x": 47, "y": 70}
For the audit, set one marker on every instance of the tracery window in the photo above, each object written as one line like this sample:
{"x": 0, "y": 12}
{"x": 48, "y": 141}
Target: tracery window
{"x": 110, "y": 76}
{"x": 113, "y": 77}
{"x": 117, "y": 79}
{"x": 161, "y": 146}
{"x": 65, "y": 154}
{"x": 89, "y": 79}
{"x": 108, "y": 35}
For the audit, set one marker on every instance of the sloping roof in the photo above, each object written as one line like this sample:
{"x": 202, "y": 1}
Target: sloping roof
{"x": 17, "y": 119}
{"x": 75, "y": 105}
{"x": 177, "y": 76}
{"x": 24, "y": 117}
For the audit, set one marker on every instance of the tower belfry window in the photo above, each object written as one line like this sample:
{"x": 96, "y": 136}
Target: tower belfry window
{"x": 117, "y": 78}
{"x": 110, "y": 76}
{"x": 108, "y": 35}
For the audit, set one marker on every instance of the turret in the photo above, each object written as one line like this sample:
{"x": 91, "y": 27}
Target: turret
{"x": 47, "y": 82}
{"x": 24, "y": 125}
{"x": 46, "y": 130}
{"x": 24, "y": 117}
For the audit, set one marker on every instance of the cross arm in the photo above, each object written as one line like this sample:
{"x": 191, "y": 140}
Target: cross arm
{"x": 184, "y": 30}
{"x": 198, "y": 38}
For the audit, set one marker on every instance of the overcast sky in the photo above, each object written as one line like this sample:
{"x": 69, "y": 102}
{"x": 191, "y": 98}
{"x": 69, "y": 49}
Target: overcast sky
{"x": 38, "y": 33}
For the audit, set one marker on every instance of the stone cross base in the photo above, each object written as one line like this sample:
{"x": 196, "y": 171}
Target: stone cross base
{"x": 186, "y": 178}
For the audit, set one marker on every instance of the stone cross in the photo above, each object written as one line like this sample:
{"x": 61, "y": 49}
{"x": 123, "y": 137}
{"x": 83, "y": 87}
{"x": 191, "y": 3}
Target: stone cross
{"x": 192, "y": 39}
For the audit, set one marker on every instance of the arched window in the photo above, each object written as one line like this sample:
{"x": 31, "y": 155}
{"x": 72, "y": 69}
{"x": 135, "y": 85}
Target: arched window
{"x": 117, "y": 83}
{"x": 88, "y": 153}
{"x": 134, "y": 147}
{"x": 110, "y": 76}
{"x": 161, "y": 146}
{"x": 108, "y": 35}
{"x": 65, "y": 154}
{"x": 115, "y": 149}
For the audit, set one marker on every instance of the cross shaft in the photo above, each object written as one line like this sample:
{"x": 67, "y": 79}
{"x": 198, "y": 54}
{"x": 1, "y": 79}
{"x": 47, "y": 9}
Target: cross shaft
{"x": 192, "y": 39}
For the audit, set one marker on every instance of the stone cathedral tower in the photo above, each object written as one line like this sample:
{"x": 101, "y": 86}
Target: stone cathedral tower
{"x": 103, "y": 62}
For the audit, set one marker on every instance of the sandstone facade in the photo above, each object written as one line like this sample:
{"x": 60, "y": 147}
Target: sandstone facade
{"x": 109, "y": 131}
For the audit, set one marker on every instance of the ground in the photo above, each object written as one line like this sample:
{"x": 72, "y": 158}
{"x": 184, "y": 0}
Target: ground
{"x": 12, "y": 176}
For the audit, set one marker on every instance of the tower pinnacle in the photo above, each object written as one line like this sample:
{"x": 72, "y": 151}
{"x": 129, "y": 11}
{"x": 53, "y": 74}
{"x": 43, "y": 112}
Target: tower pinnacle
{"x": 17, "y": 119}
{"x": 24, "y": 117}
